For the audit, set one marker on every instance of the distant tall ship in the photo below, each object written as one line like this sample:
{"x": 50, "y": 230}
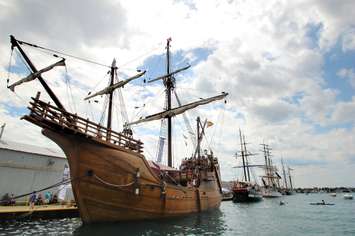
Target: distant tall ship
{"x": 244, "y": 190}
{"x": 271, "y": 179}
{"x": 288, "y": 187}
{"x": 111, "y": 178}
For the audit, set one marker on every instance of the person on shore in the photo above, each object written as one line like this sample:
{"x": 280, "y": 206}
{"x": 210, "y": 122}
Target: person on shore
{"x": 54, "y": 199}
{"x": 12, "y": 200}
{"x": 32, "y": 200}
{"x": 39, "y": 200}
{"x": 47, "y": 197}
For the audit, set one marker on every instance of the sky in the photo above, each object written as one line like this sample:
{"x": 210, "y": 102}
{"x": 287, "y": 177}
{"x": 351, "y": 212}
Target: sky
{"x": 288, "y": 67}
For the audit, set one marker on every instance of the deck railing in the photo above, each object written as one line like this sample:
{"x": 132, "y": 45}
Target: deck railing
{"x": 42, "y": 111}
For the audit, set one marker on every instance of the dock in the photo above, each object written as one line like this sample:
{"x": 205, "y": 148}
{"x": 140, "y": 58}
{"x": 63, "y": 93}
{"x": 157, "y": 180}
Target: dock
{"x": 8, "y": 213}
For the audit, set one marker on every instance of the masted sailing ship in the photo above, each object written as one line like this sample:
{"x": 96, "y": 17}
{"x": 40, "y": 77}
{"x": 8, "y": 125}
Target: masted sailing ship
{"x": 111, "y": 178}
{"x": 288, "y": 188}
{"x": 271, "y": 179}
{"x": 244, "y": 190}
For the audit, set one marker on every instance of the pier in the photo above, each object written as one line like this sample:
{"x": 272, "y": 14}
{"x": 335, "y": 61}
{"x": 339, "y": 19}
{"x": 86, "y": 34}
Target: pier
{"x": 8, "y": 213}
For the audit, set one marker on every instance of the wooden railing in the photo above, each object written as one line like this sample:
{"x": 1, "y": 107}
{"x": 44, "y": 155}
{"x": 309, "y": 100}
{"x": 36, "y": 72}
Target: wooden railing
{"x": 42, "y": 111}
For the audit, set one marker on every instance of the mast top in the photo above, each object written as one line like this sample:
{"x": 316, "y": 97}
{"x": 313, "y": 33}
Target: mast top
{"x": 113, "y": 65}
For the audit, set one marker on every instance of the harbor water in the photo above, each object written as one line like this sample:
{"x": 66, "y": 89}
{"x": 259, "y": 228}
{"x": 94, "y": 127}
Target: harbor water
{"x": 268, "y": 217}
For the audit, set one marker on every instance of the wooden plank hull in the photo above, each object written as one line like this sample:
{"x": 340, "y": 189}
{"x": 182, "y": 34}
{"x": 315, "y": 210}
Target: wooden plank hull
{"x": 112, "y": 183}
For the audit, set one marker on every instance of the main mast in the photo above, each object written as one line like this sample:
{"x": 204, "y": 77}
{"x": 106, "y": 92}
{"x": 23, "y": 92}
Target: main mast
{"x": 246, "y": 157}
{"x": 169, "y": 86}
{"x": 289, "y": 175}
{"x": 243, "y": 155}
{"x": 109, "y": 114}
{"x": 284, "y": 173}
{"x": 169, "y": 83}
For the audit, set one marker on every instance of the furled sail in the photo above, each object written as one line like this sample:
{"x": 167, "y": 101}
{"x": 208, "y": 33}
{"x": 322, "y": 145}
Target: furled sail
{"x": 115, "y": 86}
{"x": 33, "y": 76}
{"x": 178, "y": 110}
{"x": 170, "y": 74}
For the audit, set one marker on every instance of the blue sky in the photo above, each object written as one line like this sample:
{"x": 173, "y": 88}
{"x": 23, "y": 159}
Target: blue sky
{"x": 288, "y": 66}
{"x": 334, "y": 60}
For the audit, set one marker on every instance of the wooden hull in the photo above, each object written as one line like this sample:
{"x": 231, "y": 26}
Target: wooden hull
{"x": 112, "y": 183}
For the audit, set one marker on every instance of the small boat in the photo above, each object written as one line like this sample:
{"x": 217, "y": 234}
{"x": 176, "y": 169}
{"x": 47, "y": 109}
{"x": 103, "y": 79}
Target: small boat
{"x": 348, "y": 196}
{"x": 227, "y": 195}
{"x": 321, "y": 204}
{"x": 333, "y": 194}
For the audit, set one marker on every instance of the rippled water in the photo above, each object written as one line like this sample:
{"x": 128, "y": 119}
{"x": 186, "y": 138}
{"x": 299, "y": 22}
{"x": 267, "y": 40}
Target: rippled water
{"x": 297, "y": 217}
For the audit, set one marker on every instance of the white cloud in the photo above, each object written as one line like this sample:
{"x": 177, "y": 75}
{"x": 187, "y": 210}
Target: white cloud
{"x": 260, "y": 54}
{"x": 344, "y": 112}
{"x": 349, "y": 41}
{"x": 347, "y": 74}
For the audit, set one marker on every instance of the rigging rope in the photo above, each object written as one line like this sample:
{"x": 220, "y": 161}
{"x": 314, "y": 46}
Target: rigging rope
{"x": 221, "y": 114}
{"x": 65, "y": 54}
{"x": 142, "y": 55}
{"x": 91, "y": 109}
{"x": 23, "y": 100}
{"x": 23, "y": 61}
{"x": 122, "y": 105}
{"x": 104, "y": 110}
{"x": 87, "y": 60}
{"x": 9, "y": 67}
{"x": 105, "y": 104}
{"x": 145, "y": 105}
{"x": 116, "y": 108}
{"x": 68, "y": 87}
{"x": 103, "y": 79}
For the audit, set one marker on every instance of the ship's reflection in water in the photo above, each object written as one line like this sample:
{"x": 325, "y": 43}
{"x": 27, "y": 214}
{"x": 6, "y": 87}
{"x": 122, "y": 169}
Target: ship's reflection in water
{"x": 205, "y": 223}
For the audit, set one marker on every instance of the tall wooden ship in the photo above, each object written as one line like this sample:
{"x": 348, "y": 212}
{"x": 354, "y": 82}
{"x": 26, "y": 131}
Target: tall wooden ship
{"x": 111, "y": 178}
{"x": 244, "y": 190}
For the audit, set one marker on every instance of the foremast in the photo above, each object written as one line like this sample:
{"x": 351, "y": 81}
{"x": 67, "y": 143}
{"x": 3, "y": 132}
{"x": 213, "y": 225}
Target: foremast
{"x": 109, "y": 91}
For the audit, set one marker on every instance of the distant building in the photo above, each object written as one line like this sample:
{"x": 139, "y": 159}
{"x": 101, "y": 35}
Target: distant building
{"x": 26, "y": 168}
